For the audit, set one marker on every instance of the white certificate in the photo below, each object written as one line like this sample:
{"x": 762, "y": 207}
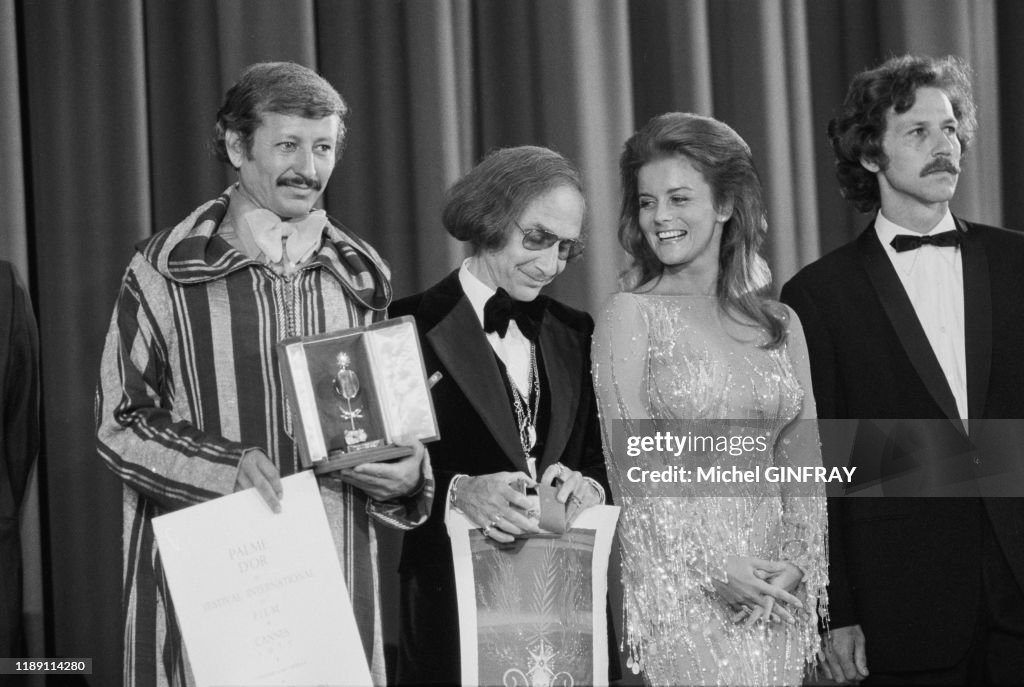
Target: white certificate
{"x": 260, "y": 596}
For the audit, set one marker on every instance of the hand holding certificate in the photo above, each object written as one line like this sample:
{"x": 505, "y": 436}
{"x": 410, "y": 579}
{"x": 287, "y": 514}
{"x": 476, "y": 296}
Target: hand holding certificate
{"x": 260, "y": 597}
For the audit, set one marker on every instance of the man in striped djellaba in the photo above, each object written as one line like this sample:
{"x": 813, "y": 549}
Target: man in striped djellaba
{"x": 190, "y": 402}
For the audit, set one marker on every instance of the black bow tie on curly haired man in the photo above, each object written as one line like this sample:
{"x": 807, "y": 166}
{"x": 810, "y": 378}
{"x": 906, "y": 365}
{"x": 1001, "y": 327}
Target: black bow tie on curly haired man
{"x": 945, "y": 239}
{"x": 500, "y": 309}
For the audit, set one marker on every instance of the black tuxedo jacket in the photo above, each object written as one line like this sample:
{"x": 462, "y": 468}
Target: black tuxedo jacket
{"x": 908, "y": 569}
{"x": 479, "y": 436}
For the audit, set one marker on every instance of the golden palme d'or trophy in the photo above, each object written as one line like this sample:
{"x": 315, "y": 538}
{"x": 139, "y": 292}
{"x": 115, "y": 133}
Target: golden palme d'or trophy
{"x": 351, "y": 393}
{"x": 346, "y": 385}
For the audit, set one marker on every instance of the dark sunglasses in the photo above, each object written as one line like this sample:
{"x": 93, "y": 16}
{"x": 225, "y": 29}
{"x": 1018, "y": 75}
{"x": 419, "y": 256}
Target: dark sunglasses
{"x": 542, "y": 239}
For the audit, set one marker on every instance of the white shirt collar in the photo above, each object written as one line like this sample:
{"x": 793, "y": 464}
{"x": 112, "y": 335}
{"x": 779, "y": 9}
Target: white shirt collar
{"x": 887, "y": 230}
{"x": 476, "y": 291}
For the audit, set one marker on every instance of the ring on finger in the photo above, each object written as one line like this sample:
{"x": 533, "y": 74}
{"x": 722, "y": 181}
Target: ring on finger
{"x": 486, "y": 531}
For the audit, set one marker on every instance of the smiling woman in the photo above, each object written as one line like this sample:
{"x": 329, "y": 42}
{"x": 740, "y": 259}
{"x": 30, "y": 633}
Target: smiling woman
{"x": 679, "y": 219}
{"x": 696, "y": 342}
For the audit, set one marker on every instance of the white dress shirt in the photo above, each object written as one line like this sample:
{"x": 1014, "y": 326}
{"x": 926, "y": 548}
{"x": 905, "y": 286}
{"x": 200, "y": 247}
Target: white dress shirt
{"x": 513, "y": 348}
{"x": 933, "y": 278}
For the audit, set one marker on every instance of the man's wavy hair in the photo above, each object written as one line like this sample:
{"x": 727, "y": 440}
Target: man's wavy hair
{"x": 280, "y": 87}
{"x": 856, "y": 132}
{"x": 725, "y": 161}
{"x": 482, "y": 206}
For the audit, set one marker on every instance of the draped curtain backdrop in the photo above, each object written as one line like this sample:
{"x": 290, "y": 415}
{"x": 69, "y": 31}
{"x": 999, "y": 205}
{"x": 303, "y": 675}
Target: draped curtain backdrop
{"x": 106, "y": 108}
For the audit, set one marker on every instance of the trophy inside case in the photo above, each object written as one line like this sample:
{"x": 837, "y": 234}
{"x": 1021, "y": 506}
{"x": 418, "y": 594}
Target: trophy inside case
{"x": 353, "y": 392}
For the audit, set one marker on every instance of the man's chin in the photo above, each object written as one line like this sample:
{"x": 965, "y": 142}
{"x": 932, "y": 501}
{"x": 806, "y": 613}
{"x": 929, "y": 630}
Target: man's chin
{"x": 527, "y": 293}
{"x": 944, "y": 179}
{"x": 292, "y": 209}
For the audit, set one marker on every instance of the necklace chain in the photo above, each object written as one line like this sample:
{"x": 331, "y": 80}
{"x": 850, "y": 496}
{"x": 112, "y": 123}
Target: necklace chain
{"x": 526, "y": 417}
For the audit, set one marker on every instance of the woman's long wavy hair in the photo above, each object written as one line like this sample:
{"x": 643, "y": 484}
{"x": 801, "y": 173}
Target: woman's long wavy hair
{"x": 724, "y": 159}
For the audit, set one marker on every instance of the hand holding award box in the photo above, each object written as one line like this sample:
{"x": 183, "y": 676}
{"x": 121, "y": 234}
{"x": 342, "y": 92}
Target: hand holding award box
{"x": 352, "y": 393}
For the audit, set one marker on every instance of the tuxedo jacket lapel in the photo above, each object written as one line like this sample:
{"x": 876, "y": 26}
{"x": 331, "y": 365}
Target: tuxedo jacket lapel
{"x": 902, "y": 316}
{"x": 977, "y": 320}
{"x": 460, "y": 344}
{"x": 561, "y": 352}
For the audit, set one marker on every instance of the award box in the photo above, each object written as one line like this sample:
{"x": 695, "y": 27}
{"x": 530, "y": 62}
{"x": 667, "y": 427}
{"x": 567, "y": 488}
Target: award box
{"x": 351, "y": 393}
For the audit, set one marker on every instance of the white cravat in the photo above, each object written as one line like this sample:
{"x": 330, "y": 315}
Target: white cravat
{"x": 513, "y": 348}
{"x": 933, "y": 278}
{"x": 291, "y": 241}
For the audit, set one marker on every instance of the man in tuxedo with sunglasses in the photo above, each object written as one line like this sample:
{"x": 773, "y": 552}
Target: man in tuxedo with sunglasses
{"x": 515, "y": 402}
{"x": 917, "y": 323}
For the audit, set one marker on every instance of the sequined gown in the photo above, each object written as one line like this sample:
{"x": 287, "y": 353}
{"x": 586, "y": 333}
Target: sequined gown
{"x": 678, "y": 361}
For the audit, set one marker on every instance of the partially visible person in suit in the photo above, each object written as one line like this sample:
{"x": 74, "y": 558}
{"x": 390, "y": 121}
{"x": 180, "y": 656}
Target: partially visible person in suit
{"x": 515, "y": 401}
{"x": 921, "y": 318}
{"x": 19, "y": 442}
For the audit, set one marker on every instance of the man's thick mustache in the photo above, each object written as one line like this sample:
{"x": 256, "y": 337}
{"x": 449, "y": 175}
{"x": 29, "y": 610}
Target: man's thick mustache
{"x": 299, "y": 181}
{"x": 940, "y": 165}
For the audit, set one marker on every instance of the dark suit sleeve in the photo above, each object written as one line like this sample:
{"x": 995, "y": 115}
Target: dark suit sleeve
{"x": 827, "y": 394}
{"x": 583, "y": 451}
{"x": 592, "y": 456}
{"x": 828, "y": 397}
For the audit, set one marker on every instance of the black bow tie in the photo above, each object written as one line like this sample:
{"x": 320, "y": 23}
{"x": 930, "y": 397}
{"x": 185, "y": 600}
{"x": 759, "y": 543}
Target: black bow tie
{"x": 500, "y": 309}
{"x": 904, "y": 242}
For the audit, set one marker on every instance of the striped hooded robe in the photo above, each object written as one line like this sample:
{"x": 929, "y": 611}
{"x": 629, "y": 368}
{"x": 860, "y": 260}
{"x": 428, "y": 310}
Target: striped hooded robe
{"x": 190, "y": 379}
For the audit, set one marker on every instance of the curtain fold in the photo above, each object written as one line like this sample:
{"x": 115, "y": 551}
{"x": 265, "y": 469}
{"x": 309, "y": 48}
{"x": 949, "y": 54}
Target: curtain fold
{"x": 762, "y": 95}
{"x": 184, "y": 88}
{"x": 556, "y": 74}
{"x": 89, "y": 181}
{"x": 107, "y": 108}
{"x": 1010, "y": 65}
{"x": 597, "y": 95}
{"x": 396, "y": 65}
{"x": 670, "y": 45}
{"x": 441, "y": 127}
{"x": 262, "y": 31}
{"x": 13, "y": 235}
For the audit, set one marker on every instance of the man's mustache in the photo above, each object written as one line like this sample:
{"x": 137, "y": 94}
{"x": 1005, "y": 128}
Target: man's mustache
{"x": 940, "y": 165}
{"x": 300, "y": 181}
